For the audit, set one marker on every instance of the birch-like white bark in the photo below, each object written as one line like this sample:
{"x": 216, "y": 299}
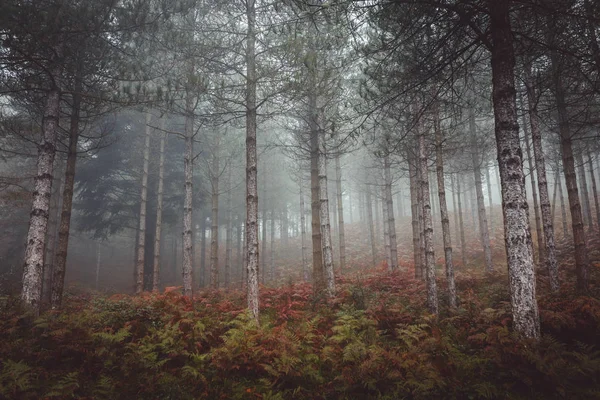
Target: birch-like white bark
{"x": 432, "y": 295}
{"x": 141, "y": 243}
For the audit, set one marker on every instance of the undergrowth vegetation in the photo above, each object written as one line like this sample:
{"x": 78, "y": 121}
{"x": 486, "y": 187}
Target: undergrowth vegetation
{"x": 374, "y": 340}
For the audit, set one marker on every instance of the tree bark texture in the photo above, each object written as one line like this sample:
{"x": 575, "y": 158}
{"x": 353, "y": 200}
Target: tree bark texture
{"x": 432, "y": 296}
{"x": 141, "y": 243}
{"x": 31, "y": 291}
{"x": 188, "y": 168}
{"x": 439, "y": 161}
{"x": 519, "y": 248}
{"x": 414, "y": 209}
{"x": 325, "y": 224}
{"x": 251, "y": 229}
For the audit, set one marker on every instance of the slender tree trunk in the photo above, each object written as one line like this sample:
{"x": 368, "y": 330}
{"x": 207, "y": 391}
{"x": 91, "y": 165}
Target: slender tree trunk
{"x": 399, "y": 200}
{"x": 555, "y": 192}
{"x": 303, "y": 230}
{"x": 141, "y": 244}
{"x": 519, "y": 248}
{"x": 484, "y": 234}
{"x": 238, "y": 247}
{"x": 540, "y": 164}
{"x": 51, "y": 237}
{"x": 319, "y": 283}
{"x": 463, "y": 243}
{"x": 251, "y": 229}
{"x": 159, "y": 209}
{"x": 579, "y": 239}
{"x": 378, "y": 228}
{"x": 340, "y": 206}
{"x": 97, "y": 265}
{"x": 31, "y": 292}
{"x": 386, "y": 232}
{"x": 563, "y": 209}
{"x": 350, "y": 206}
{"x": 421, "y": 202}
{"x": 203, "y": 251}
{"x": 263, "y": 244}
{"x": 370, "y": 225}
{"x": 455, "y": 207}
{"x": 594, "y": 189}
{"x": 214, "y": 234}
{"x": 432, "y": 296}
{"x": 229, "y": 233}
{"x": 188, "y": 168}
{"x": 389, "y": 215}
{"x": 585, "y": 192}
{"x": 414, "y": 209}
{"x": 439, "y": 159}
{"x": 490, "y": 203}
{"x": 534, "y": 193}
{"x": 325, "y": 225}
{"x": 272, "y": 246}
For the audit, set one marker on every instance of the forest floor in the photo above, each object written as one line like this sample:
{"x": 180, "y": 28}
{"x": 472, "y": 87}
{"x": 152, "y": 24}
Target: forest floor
{"x": 375, "y": 339}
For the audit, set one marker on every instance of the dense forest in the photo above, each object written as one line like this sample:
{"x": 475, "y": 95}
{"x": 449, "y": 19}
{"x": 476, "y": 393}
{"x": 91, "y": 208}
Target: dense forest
{"x": 299, "y": 199}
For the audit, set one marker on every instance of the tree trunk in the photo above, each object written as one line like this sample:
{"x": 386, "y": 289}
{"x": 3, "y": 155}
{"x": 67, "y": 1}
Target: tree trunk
{"x": 534, "y": 193}
{"x": 484, "y": 234}
{"x": 369, "y": 209}
{"x": 594, "y": 189}
{"x": 519, "y": 248}
{"x": 490, "y": 203}
{"x": 238, "y": 248}
{"x": 389, "y": 215}
{"x": 340, "y": 206}
{"x": 272, "y": 249}
{"x": 463, "y": 244}
{"x": 263, "y": 232}
{"x": 325, "y": 225}
{"x": 584, "y": 191}
{"x": 159, "y": 209}
{"x": 563, "y": 209}
{"x": 555, "y": 192}
{"x": 540, "y": 164}
{"x": 229, "y": 233}
{"x": 141, "y": 244}
{"x": 439, "y": 160}
{"x": 455, "y": 207}
{"x": 386, "y": 232}
{"x": 415, "y": 206}
{"x": 303, "y": 230}
{"x": 251, "y": 229}
{"x": 186, "y": 267}
{"x": 564, "y": 128}
{"x": 51, "y": 237}
{"x": 432, "y": 296}
{"x": 214, "y": 232}
{"x": 203, "y": 251}
{"x": 399, "y": 203}
{"x": 319, "y": 284}
{"x": 31, "y": 292}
